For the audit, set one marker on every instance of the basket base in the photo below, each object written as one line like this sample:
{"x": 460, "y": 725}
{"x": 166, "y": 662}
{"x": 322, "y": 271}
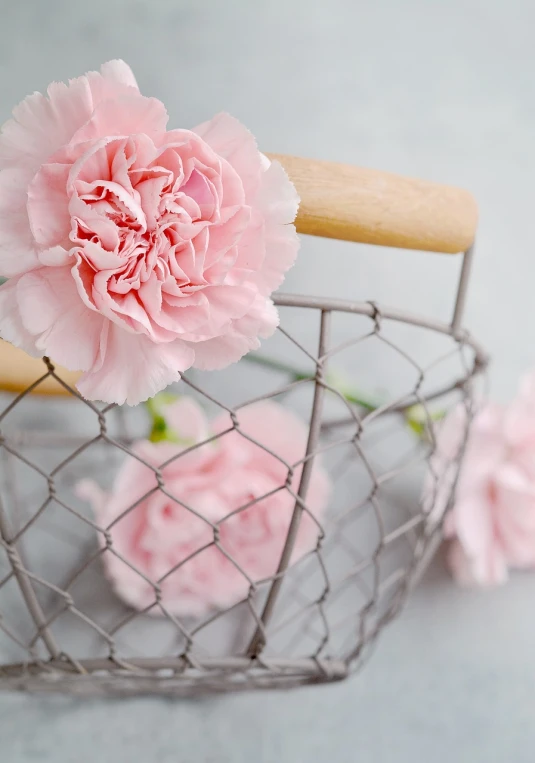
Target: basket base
{"x": 186, "y": 682}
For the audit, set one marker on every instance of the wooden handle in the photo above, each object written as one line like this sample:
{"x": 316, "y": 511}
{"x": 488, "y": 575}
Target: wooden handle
{"x": 19, "y": 371}
{"x": 373, "y": 207}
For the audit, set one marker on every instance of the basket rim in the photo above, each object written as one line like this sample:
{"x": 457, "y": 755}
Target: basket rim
{"x": 373, "y": 310}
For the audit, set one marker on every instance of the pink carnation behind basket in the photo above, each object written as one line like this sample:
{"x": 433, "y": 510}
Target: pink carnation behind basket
{"x": 340, "y": 572}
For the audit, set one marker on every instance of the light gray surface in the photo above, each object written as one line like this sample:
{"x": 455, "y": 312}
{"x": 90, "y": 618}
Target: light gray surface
{"x": 422, "y": 87}
{"x": 452, "y": 680}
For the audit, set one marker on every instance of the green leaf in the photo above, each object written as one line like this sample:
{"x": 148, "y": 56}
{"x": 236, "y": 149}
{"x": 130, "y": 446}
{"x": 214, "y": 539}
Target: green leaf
{"x": 418, "y": 419}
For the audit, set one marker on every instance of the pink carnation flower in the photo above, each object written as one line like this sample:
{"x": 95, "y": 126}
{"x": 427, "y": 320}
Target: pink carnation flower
{"x": 491, "y": 525}
{"x": 134, "y": 252}
{"x": 215, "y": 482}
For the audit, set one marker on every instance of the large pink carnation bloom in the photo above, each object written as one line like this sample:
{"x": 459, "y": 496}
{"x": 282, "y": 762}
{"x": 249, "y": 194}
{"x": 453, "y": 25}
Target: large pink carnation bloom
{"x": 229, "y": 490}
{"x": 134, "y": 252}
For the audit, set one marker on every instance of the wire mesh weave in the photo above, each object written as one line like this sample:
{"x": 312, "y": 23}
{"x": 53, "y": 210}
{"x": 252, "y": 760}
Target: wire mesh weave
{"x": 63, "y": 628}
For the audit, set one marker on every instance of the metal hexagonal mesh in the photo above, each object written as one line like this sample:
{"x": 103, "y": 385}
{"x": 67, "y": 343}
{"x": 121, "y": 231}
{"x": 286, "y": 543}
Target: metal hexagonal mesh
{"x": 63, "y": 628}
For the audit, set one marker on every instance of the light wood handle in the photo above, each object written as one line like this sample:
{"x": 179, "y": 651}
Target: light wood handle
{"x": 372, "y": 207}
{"x": 19, "y": 371}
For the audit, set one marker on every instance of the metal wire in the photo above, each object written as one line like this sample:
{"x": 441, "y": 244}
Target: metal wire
{"x": 62, "y": 627}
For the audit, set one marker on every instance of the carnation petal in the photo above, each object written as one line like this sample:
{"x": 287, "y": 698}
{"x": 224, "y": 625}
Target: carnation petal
{"x": 40, "y": 125}
{"x": 125, "y": 115}
{"x": 489, "y": 570}
{"x": 281, "y": 247}
{"x": 187, "y": 419}
{"x": 277, "y": 201}
{"x": 275, "y": 428}
{"x": 213, "y": 354}
{"x": 233, "y": 141}
{"x": 474, "y": 523}
{"x": 48, "y": 206}
{"x": 64, "y": 328}
{"x": 11, "y": 326}
{"x": 134, "y": 368}
{"x": 54, "y": 257}
{"x": 17, "y": 247}
{"x": 277, "y": 198}
{"x": 118, "y": 71}
{"x": 261, "y": 320}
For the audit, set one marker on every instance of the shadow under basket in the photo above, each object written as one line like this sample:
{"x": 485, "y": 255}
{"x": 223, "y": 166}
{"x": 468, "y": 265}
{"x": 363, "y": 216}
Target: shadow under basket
{"x": 62, "y": 626}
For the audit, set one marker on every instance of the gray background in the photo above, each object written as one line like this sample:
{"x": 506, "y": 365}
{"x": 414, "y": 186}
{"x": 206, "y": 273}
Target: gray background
{"x": 439, "y": 90}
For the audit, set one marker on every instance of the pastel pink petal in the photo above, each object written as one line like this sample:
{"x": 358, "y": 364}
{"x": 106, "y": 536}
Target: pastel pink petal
{"x": 201, "y": 191}
{"x": 213, "y": 354}
{"x": 165, "y": 532}
{"x": 100, "y": 258}
{"x": 489, "y": 419}
{"x": 227, "y": 303}
{"x": 186, "y": 417}
{"x": 274, "y": 427}
{"x": 48, "y": 206}
{"x": 126, "y": 525}
{"x": 119, "y": 72}
{"x": 67, "y": 331}
{"x": 233, "y": 141}
{"x": 223, "y": 236}
{"x": 125, "y": 115}
{"x": 178, "y": 315}
{"x": 193, "y": 470}
{"x": 54, "y": 257}
{"x": 277, "y": 198}
{"x": 490, "y": 570}
{"x": 319, "y": 493}
{"x": 41, "y": 125}
{"x": 134, "y": 368}
{"x": 516, "y": 516}
{"x": 281, "y": 247}
{"x": 150, "y": 295}
{"x": 124, "y": 310}
{"x": 474, "y": 523}
{"x": 261, "y": 320}
{"x": 103, "y": 228}
{"x": 483, "y": 455}
{"x": 278, "y": 203}
{"x": 17, "y": 247}
{"x": 519, "y": 423}
{"x": 149, "y": 191}
{"x": 114, "y": 79}
{"x": 11, "y": 326}
{"x": 251, "y": 245}
{"x": 438, "y": 492}
{"x": 186, "y": 261}
{"x": 449, "y": 433}
{"x": 92, "y": 161}
{"x": 134, "y": 209}
{"x": 225, "y": 267}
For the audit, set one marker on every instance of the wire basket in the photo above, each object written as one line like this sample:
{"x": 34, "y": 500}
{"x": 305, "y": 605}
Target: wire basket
{"x": 313, "y": 618}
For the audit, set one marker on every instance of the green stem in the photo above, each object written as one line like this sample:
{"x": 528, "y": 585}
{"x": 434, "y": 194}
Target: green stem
{"x": 277, "y": 365}
{"x": 351, "y": 396}
{"x": 414, "y": 415}
{"x": 159, "y": 430}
